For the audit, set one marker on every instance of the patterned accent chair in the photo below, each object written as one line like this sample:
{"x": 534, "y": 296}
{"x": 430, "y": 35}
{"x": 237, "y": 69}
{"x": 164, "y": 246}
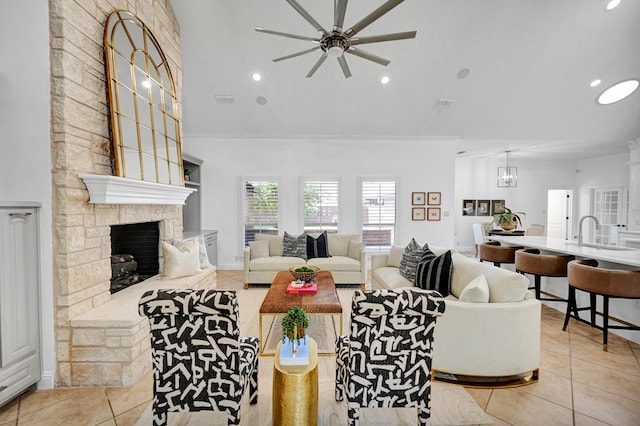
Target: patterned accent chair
{"x": 386, "y": 360}
{"x": 200, "y": 362}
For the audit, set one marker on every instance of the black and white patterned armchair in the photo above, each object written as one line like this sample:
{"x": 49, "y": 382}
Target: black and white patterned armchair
{"x": 386, "y": 360}
{"x": 200, "y": 362}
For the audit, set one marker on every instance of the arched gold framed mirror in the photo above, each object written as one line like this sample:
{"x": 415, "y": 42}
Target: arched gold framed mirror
{"x": 145, "y": 123}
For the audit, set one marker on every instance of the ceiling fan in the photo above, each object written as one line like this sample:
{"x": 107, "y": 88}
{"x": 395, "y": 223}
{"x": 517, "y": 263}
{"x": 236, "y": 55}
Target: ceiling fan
{"x": 338, "y": 41}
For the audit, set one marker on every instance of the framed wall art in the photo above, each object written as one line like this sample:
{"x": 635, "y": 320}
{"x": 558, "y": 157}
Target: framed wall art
{"x": 417, "y": 198}
{"x": 434, "y": 198}
{"x": 483, "y": 208}
{"x": 496, "y": 206}
{"x": 433, "y": 213}
{"x": 468, "y": 207}
{"x": 417, "y": 213}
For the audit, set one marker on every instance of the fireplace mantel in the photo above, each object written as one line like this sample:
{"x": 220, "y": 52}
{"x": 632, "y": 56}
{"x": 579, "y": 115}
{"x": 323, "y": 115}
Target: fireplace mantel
{"x": 106, "y": 189}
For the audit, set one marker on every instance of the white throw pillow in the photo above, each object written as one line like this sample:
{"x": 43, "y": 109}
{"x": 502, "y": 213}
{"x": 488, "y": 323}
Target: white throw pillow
{"x": 477, "y": 291}
{"x": 181, "y": 262}
{"x": 355, "y": 247}
{"x": 395, "y": 254}
{"x": 504, "y": 285}
{"x": 259, "y": 248}
{"x": 202, "y": 250}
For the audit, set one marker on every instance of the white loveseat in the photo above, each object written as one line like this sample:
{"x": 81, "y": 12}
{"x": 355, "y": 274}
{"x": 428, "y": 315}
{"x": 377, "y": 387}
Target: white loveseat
{"x": 499, "y": 338}
{"x": 347, "y": 263}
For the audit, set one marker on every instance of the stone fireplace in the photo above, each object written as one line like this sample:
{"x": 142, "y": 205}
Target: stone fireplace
{"x": 98, "y": 344}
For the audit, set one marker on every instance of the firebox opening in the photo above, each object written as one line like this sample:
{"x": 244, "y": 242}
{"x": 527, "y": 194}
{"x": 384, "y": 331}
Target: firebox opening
{"x": 134, "y": 253}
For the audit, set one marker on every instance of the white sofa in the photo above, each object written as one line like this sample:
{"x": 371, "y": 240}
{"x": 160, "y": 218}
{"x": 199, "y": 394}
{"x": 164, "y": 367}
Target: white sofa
{"x": 499, "y": 338}
{"x": 347, "y": 263}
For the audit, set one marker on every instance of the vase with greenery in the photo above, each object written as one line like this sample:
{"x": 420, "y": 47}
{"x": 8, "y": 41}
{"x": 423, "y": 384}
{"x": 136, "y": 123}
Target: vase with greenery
{"x": 294, "y": 324}
{"x": 507, "y": 219}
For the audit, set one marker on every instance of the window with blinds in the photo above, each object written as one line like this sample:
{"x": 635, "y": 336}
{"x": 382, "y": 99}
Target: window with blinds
{"x": 378, "y": 213}
{"x": 261, "y": 208}
{"x": 321, "y": 205}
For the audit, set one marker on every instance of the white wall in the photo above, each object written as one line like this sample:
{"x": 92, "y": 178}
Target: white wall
{"x": 605, "y": 172}
{"x": 25, "y": 163}
{"x": 476, "y": 178}
{"x": 421, "y": 166}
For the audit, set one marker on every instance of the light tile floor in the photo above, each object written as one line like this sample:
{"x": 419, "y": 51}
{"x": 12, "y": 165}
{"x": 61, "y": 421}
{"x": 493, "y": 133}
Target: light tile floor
{"x": 579, "y": 385}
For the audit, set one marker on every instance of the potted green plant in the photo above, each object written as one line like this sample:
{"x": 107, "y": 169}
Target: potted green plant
{"x": 507, "y": 219}
{"x": 294, "y": 324}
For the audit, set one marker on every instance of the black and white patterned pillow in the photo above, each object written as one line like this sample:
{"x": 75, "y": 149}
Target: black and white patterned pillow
{"x": 317, "y": 247}
{"x": 410, "y": 258}
{"x": 294, "y": 246}
{"x": 434, "y": 272}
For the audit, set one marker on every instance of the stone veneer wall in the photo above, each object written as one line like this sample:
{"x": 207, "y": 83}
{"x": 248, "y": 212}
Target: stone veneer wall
{"x": 81, "y": 143}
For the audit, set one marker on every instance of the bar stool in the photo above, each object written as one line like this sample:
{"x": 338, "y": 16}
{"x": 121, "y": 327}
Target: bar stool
{"x": 609, "y": 283}
{"x": 530, "y": 261}
{"x": 493, "y": 251}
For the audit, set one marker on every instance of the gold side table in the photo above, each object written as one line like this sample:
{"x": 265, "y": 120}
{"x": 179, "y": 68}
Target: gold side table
{"x": 295, "y": 390}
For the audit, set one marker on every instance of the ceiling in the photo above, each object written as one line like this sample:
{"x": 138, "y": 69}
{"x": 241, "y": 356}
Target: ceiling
{"x": 528, "y": 91}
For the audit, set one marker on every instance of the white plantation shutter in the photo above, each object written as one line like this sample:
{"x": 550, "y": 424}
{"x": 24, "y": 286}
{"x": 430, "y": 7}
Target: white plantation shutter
{"x": 378, "y": 213}
{"x": 260, "y": 208}
{"x": 321, "y": 205}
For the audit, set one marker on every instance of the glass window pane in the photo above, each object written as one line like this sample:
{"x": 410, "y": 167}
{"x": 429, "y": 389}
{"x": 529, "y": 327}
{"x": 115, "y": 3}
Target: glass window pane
{"x": 321, "y": 205}
{"x": 378, "y": 214}
{"x": 260, "y": 208}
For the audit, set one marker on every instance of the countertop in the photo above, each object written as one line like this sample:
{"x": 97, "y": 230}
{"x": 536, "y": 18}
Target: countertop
{"x": 620, "y": 255}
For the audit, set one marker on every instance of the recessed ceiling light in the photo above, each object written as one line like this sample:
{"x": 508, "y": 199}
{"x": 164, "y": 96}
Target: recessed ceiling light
{"x": 618, "y": 91}
{"x": 595, "y": 82}
{"x": 612, "y": 5}
{"x": 257, "y": 77}
{"x": 385, "y": 79}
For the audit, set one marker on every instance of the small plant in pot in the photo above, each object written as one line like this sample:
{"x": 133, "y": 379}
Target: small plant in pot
{"x": 294, "y": 324}
{"x": 507, "y": 219}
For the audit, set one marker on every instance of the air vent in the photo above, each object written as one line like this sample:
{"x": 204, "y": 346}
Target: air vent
{"x": 224, "y": 99}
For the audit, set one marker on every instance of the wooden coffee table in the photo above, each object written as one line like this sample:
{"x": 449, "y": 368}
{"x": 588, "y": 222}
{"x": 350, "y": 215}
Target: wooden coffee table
{"x": 324, "y": 302}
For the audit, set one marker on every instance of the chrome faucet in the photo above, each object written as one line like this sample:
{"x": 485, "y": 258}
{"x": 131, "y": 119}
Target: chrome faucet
{"x": 580, "y": 242}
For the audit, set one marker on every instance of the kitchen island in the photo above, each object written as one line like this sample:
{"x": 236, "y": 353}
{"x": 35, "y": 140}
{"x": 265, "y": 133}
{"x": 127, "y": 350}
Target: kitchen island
{"x": 615, "y": 257}
{"x": 610, "y": 257}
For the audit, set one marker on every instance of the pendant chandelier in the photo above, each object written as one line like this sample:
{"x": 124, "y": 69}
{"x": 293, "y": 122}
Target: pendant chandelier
{"x": 507, "y": 176}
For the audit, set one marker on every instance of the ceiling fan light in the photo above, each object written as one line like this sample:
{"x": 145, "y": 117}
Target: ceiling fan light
{"x": 334, "y": 51}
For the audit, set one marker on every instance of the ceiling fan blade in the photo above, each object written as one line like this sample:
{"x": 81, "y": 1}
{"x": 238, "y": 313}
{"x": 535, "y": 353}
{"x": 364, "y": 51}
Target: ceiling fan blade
{"x": 315, "y": 67}
{"x": 383, "y": 37}
{"x": 338, "y": 16}
{"x": 306, "y": 16}
{"x": 293, "y": 55}
{"x": 278, "y": 33}
{"x": 369, "y": 56}
{"x": 370, "y": 18}
{"x": 345, "y": 67}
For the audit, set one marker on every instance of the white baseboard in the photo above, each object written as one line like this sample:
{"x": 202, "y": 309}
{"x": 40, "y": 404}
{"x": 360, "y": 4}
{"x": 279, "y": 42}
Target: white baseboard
{"x": 47, "y": 381}
{"x": 230, "y": 267}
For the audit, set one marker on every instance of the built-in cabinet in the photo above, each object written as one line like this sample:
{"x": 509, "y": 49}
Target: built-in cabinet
{"x": 191, "y": 212}
{"x": 19, "y": 299}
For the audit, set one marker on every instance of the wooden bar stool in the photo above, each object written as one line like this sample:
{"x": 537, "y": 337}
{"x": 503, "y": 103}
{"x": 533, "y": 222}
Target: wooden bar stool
{"x": 493, "y": 251}
{"x": 530, "y": 261}
{"x": 609, "y": 283}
